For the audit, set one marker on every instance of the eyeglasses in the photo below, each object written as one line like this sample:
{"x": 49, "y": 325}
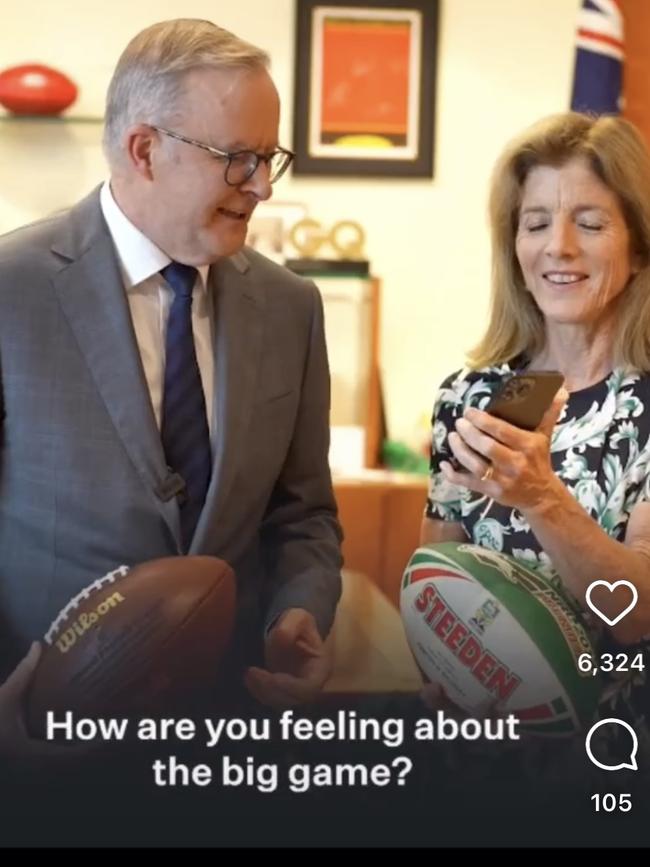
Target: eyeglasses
{"x": 241, "y": 165}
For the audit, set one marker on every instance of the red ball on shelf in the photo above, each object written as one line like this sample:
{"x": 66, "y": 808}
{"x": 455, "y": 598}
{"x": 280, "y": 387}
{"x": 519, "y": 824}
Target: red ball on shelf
{"x": 36, "y": 89}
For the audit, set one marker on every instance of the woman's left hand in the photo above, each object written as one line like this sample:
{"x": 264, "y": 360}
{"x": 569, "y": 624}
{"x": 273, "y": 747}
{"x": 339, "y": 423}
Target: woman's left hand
{"x": 504, "y": 462}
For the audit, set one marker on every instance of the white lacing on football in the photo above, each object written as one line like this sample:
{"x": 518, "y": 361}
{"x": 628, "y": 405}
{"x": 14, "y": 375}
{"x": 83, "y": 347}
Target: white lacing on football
{"x": 63, "y": 615}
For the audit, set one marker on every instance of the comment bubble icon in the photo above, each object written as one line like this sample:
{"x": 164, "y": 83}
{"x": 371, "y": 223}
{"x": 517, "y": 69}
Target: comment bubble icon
{"x": 630, "y": 763}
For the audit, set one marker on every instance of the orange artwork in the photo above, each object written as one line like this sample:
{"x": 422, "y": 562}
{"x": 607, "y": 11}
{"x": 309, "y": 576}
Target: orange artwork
{"x": 365, "y": 84}
{"x": 365, "y": 75}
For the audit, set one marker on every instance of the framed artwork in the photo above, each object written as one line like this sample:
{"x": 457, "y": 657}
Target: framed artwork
{"x": 365, "y": 76}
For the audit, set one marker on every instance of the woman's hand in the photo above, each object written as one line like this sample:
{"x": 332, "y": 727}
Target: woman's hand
{"x": 434, "y": 698}
{"x": 504, "y": 462}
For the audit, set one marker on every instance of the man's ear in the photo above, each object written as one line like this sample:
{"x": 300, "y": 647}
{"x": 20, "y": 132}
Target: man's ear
{"x": 140, "y": 142}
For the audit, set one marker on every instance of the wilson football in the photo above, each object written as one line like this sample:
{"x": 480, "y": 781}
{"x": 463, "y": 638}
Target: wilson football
{"x": 135, "y": 640}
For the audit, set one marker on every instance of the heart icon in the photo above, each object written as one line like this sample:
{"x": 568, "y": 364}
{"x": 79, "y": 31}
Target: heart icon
{"x": 611, "y": 587}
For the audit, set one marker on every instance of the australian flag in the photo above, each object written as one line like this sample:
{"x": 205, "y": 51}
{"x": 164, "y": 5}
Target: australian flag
{"x": 598, "y": 76}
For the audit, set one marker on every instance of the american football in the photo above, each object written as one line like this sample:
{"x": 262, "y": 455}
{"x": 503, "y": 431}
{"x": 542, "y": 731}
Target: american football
{"x": 135, "y": 639}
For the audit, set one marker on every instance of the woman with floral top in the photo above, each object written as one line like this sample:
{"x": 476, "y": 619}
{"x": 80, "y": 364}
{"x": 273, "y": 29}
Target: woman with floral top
{"x": 570, "y": 218}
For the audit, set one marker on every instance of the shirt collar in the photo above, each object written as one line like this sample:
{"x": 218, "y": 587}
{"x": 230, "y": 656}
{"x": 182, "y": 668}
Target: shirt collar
{"x": 139, "y": 258}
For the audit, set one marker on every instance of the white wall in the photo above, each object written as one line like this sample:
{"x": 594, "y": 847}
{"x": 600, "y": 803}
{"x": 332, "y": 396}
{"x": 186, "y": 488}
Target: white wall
{"x": 501, "y": 65}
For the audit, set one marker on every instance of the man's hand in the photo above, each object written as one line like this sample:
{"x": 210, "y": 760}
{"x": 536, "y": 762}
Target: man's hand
{"x": 14, "y": 740}
{"x": 297, "y": 661}
{"x": 15, "y": 743}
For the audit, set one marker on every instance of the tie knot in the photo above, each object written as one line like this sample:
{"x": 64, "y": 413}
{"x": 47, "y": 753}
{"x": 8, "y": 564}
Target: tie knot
{"x": 180, "y": 277}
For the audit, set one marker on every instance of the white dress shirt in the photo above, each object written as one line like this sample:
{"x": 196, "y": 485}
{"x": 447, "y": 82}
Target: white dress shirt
{"x": 150, "y": 297}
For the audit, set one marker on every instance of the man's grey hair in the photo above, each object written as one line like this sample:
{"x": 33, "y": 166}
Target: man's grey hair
{"x": 148, "y": 80}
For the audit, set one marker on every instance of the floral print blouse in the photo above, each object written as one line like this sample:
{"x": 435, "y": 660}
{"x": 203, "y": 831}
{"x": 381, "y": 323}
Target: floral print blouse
{"x": 600, "y": 449}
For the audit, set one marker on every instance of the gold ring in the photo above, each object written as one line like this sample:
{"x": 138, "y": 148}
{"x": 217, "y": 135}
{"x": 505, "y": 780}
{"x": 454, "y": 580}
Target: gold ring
{"x": 487, "y": 475}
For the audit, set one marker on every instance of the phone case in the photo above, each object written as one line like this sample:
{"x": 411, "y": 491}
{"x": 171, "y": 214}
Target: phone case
{"x": 525, "y": 397}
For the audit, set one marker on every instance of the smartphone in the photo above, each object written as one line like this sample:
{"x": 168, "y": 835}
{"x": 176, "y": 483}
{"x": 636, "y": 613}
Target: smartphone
{"x": 522, "y": 400}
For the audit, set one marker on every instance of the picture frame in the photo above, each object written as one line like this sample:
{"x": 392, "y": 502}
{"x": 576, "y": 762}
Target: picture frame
{"x": 269, "y": 227}
{"x": 365, "y": 83}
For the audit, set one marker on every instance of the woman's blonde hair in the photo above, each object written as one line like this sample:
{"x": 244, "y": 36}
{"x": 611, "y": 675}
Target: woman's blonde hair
{"x": 617, "y": 154}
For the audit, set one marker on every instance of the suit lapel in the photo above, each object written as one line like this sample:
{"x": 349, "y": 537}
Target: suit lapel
{"x": 92, "y": 296}
{"x": 238, "y": 307}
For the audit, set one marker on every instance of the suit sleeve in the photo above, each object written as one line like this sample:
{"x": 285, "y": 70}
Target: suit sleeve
{"x": 301, "y": 535}
{"x": 2, "y": 410}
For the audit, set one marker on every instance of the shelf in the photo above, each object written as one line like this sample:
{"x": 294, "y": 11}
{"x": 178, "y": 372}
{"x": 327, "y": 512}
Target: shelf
{"x": 47, "y": 118}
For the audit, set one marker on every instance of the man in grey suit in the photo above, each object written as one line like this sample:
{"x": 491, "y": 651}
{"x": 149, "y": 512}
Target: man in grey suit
{"x": 87, "y": 299}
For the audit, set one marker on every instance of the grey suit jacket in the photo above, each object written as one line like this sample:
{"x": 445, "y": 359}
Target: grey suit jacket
{"x": 84, "y": 486}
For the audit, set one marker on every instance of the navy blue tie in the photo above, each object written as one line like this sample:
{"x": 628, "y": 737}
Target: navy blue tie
{"x": 184, "y": 427}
